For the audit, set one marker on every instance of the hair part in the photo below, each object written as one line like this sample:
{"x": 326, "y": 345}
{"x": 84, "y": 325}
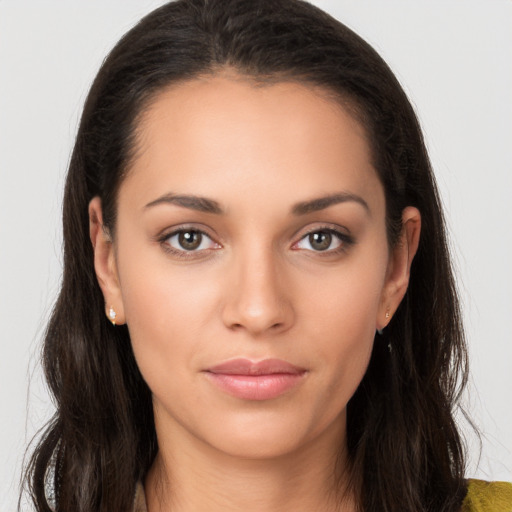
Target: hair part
{"x": 403, "y": 446}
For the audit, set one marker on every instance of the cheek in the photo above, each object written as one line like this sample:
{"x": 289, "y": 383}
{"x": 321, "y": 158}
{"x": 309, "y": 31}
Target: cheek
{"x": 348, "y": 299}
{"x": 168, "y": 311}
{"x": 342, "y": 315}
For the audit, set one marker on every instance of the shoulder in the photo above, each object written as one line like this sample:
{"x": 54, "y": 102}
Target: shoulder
{"x": 488, "y": 497}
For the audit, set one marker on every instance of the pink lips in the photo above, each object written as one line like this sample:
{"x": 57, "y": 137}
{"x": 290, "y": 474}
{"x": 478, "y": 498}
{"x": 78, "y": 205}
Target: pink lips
{"x": 262, "y": 380}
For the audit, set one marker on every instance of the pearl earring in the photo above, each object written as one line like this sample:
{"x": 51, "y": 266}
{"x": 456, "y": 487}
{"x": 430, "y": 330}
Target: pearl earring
{"x": 112, "y": 315}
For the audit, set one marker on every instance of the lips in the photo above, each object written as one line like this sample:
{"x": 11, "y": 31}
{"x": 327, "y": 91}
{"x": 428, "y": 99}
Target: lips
{"x": 262, "y": 380}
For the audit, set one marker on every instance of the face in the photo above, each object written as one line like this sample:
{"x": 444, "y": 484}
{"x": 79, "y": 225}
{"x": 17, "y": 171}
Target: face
{"x": 250, "y": 264}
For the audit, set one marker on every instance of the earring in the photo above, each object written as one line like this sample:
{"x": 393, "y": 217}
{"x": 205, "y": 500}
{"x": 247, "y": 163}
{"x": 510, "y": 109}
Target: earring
{"x": 112, "y": 315}
{"x": 387, "y": 315}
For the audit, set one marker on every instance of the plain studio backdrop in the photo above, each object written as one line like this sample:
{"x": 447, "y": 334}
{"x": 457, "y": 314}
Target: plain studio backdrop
{"x": 454, "y": 59}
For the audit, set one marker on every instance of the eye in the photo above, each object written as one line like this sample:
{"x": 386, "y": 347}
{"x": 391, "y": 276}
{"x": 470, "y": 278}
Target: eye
{"x": 190, "y": 240}
{"x": 323, "y": 240}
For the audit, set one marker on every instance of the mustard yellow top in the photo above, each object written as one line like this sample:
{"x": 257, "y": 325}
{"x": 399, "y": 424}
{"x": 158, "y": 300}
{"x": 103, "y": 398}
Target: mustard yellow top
{"x": 488, "y": 497}
{"x": 481, "y": 497}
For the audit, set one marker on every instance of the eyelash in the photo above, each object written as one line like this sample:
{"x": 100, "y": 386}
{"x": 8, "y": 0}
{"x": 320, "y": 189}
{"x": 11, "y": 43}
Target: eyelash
{"x": 345, "y": 242}
{"x": 183, "y": 253}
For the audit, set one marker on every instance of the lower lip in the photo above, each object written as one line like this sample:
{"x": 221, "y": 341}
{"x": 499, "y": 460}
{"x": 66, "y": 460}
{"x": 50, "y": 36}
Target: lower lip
{"x": 256, "y": 387}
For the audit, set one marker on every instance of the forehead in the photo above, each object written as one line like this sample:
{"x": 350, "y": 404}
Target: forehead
{"x": 204, "y": 134}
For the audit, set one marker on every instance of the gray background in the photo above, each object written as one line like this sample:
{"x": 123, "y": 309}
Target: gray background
{"x": 454, "y": 59}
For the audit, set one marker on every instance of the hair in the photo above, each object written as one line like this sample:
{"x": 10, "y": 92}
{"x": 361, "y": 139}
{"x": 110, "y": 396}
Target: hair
{"x": 404, "y": 448}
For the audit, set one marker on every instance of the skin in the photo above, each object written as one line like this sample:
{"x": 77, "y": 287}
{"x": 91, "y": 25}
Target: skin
{"x": 257, "y": 287}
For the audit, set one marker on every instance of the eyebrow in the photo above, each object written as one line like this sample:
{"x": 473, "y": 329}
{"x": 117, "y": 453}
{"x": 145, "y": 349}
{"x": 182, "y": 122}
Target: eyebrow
{"x": 206, "y": 205}
{"x": 321, "y": 203}
{"x": 201, "y": 204}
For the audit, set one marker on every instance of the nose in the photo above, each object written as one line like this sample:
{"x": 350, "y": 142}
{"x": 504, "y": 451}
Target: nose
{"x": 258, "y": 297}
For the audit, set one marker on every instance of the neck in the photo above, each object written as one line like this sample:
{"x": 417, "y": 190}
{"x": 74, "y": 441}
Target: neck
{"x": 195, "y": 476}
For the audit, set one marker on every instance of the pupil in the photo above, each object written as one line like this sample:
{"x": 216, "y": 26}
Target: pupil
{"x": 190, "y": 240}
{"x": 321, "y": 240}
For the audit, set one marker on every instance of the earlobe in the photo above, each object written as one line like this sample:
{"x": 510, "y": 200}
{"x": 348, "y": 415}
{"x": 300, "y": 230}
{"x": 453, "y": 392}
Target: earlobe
{"x": 105, "y": 264}
{"x": 399, "y": 267}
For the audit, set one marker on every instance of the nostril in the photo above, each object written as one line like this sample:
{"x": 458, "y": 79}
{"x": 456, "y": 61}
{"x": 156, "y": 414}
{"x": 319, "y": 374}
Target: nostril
{"x": 257, "y": 307}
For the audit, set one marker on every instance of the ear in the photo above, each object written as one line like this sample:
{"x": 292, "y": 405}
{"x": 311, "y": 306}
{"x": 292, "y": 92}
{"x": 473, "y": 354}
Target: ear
{"x": 105, "y": 264}
{"x": 399, "y": 266}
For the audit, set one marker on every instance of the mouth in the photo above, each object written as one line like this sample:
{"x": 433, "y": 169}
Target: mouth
{"x": 262, "y": 380}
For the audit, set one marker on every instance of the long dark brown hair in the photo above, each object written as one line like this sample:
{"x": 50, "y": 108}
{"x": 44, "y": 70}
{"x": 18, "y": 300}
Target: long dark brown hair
{"x": 403, "y": 443}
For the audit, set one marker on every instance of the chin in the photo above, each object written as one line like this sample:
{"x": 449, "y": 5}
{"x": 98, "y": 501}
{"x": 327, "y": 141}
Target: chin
{"x": 257, "y": 445}
{"x": 268, "y": 436}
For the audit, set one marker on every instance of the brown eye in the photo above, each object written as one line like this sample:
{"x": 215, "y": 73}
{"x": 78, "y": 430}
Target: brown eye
{"x": 320, "y": 240}
{"x": 324, "y": 240}
{"x": 190, "y": 240}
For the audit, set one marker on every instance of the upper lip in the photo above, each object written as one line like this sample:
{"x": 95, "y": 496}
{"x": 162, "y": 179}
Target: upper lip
{"x": 248, "y": 367}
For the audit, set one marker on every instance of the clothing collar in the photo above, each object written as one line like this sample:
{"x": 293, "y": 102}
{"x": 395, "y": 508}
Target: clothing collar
{"x": 139, "y": 501}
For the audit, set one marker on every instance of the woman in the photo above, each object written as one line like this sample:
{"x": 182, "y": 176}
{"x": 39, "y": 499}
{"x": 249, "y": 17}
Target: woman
{"x": 223, "y": 339}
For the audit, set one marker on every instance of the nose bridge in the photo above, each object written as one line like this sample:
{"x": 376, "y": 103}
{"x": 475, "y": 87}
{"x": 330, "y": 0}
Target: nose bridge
{"x": 259, "y": 300}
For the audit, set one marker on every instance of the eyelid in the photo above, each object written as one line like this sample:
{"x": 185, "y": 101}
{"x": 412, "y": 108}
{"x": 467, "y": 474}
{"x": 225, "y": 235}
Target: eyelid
{"x": 169, "y": 231}
{"x": 341, "y": 233}
{"x": 345, "y": 238}
{"x": 203, "y": 237}
{"x": 163, "y": 237}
